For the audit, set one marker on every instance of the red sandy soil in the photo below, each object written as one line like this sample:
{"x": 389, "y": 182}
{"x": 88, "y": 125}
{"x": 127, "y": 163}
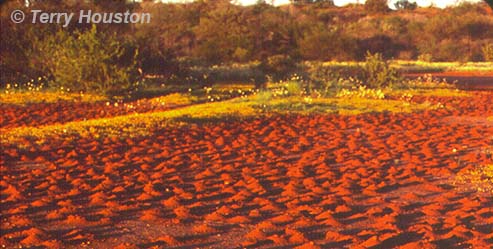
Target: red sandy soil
{"x": 319, "y": 181}
{"x": 65, "y": 111}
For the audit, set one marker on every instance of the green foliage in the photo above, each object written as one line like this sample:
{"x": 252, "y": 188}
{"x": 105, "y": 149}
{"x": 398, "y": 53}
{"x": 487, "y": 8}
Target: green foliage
{"x": 263, "y": 97}
{"x": 405, "y": 5}
{"x": 322, "y": 78}
{"x": 279, "y": 67}
{"x": 87, "y": 61}
{"x": 16, "y": 39}
{"x": 294, "y": 87}
{"x": 378, "y": 73}
{"x": 161, "y": 41}
{"x": 222, "y": 37}
{"x": 446, "y": 38}
{"x": 323, "y": 43}
{"x": 199, "y": 75}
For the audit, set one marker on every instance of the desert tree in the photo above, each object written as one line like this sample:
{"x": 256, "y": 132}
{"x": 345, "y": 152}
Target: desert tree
{"x": 490, "y": 3}
{"x": 405, "y": 5}
{"x": 376, "y": 6}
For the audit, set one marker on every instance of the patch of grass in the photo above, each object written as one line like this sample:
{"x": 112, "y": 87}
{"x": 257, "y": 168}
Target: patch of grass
{"x": 263, "y": 98}
{"x": 33, "y": 97}
{"x": 294, "y": 87}
{"x": 362, "y": 92}
{"x": 155, "y": 90}
{"x": 343, "y": 63}
{"x": 351, "y": 105}
{"x": 297, "y": 105}
{"x": 199, "y": 109}
{"x": 417, "y": 67}
{"x": 233, "y": 86}
{"x": 425, "y": 82}
{"x": 362, "y": 105}
{"x": 174, "y": 99}
{"x": 423, "y": 66}
{"x": 420, "y": 66}
{"x": 445, "y": 92}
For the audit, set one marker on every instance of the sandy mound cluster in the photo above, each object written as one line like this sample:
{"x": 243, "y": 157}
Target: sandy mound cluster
{"x": 378, "y": 180}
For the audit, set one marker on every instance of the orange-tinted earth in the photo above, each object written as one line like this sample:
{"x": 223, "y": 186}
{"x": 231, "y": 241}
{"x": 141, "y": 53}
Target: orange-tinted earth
{"x": 378, "y": 180}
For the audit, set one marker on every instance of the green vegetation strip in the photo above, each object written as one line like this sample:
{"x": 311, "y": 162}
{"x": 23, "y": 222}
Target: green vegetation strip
{"x": 423, "y": 66}
{"x": 428, "y": 92}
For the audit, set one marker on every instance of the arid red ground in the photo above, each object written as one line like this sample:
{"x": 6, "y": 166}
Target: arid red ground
{"x": 316, "y": 181}
{"x": 67, "y": 111}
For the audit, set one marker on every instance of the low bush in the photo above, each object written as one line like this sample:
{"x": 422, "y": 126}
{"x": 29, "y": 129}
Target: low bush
{"x": 329, "y": 78}
{"x": 361, "y": 92}
{"x": 233, "y": 73}
{"x": 405, "y": 5}
{"x": 378, "y": 73}
{"x": 322, "y": 78}
{"x": 279, "y": 67}
{"x": 295, "y": 86}
{"x": 88, "y": 61}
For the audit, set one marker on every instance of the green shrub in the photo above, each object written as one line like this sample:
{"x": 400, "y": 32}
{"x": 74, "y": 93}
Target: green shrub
{"x": 451, "y": 50}
{"x": 294, "y": 86}
{"x": 263, "y": 98}
{"x": 279, "y": 67}
{"x": 405, "y": 5}
{"x": 378, "y": 73}
{"x": 88, "y": 61}
{"x": 323, "y": 78}
{"x": 320, "y": 43}
{"x": 227, "y": 73}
